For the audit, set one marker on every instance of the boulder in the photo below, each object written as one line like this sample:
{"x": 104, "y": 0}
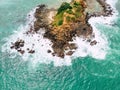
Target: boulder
{"x": 93, "y": 43}
{"x": 70, "y": 53}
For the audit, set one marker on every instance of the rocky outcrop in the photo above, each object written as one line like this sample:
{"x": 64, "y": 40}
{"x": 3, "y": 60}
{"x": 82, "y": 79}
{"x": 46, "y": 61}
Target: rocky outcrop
{"x": 63, "y": 24}
{"x": 106, "y": 10}
{"x": 61, "y": 35}
{"x": 18, "y": 45}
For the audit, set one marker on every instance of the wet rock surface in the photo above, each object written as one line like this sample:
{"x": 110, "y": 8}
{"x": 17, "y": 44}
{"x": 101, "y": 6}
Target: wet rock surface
{"x": 18, "y": 46}
{"x": 93, "y": 42}
{"x": 70, "y": 53}
{"x": 31, "y": 51}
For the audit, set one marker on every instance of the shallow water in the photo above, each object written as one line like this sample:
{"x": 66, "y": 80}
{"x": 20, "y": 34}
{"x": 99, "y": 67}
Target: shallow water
{"x": 85, "y": 73}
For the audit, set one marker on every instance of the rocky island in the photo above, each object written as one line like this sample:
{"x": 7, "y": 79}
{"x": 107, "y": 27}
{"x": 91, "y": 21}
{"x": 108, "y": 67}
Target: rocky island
{"x": 61, "y": 25}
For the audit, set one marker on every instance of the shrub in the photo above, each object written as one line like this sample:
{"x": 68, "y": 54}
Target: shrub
{"x": 64, "y": 7}
{"x": 73, "y": 19}
{"x": 60, "y": 22}
{"x": 76, "y": 4}
{"x": 68, "y": 18}
{"x": 69, "y": 11}
{"x": 78, "y": 14}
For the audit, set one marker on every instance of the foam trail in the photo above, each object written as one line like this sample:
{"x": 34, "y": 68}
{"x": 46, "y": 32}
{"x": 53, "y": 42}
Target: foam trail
{"x": 41, "y": 45}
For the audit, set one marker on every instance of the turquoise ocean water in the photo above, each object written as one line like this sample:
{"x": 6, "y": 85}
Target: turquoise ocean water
{"x": 84, "y": 74}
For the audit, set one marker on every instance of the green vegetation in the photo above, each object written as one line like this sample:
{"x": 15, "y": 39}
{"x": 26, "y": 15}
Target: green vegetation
{"x": 73, "y": 19}
{"x": 69, "y": 11}
{"x": 64, "y": 7}
{"x": 58, "y": 20}
{"x": 59, "y": 17}
{"x": 68, "y": 19}
{"x": 76, "y": 4}
{"x": 77, "y": 14}
{"x": 74, "y": 11}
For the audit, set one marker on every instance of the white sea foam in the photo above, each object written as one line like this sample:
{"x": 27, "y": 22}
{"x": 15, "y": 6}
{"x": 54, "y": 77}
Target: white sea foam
{"x": 41, "y": 45}
{"x": 97, "y": 51}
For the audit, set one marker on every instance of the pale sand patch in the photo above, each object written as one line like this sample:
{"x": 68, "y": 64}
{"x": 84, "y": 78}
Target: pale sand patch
{"x": 93, "y": 6}
{"x": 51, "y": 15}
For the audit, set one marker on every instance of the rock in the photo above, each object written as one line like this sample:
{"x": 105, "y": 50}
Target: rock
{"x": 22, "y": 51}
{"x": 53, "y": 54}
{"x": 49, "y": 51}
{"x": 31, "y": 51}
{"x": 59, "y": 52}
{"x": 41, "y": 6}
{"x": 72, "y": 46}
{"x": 93, "y": 43}
{"x": 28, "y": 49}
{"x": 19, "y": 43}
{"x": 70, "y": 53}
{"x": 19, "y": 50}
{"x": 12, "y": 47}
{"x": 61, "y": 55}
{"x": 88, "y": 40}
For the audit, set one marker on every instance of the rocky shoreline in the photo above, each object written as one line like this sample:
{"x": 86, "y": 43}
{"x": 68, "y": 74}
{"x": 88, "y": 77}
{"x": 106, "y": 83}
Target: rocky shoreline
{"x": 107, "y": 10}
{"x": 61, "y": 35}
